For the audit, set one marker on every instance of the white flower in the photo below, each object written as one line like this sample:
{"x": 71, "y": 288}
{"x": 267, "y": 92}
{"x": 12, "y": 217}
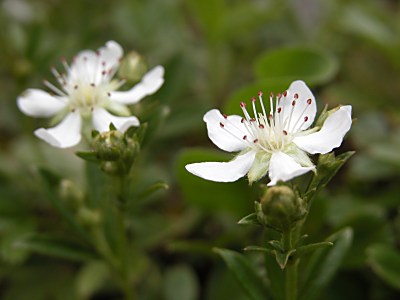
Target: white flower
{"x": 277, "y": 142}
{"x": 88, "y": 92}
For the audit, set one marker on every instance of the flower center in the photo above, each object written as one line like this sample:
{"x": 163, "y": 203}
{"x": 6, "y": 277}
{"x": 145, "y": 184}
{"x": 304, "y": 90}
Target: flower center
{"x": 87, "y": 83}
{"x": 273, "y": 131}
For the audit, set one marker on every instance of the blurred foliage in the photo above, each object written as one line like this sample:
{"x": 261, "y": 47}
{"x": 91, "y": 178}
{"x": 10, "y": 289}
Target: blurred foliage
{"x": 216, "y": 53}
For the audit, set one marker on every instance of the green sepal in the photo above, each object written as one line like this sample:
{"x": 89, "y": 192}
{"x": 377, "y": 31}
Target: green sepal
{"x": 95, "y": 133}
{"x": 89, "y": 156}
{"x": 259, "y": 167}
{"x": 260, "y": 249}
{"x": 323, "y": 116}
{"x": 282, "y": 258}
{"x": 137, "y": 132}
{"x": 251, "y": 219}
{"x": 112, "y": 127}
{"x": 306, "y": 249}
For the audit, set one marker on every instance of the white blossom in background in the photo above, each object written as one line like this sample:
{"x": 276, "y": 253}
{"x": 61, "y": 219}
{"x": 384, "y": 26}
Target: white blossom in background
{"x": 277, "y": 142}
{"x": 87, "y": 93}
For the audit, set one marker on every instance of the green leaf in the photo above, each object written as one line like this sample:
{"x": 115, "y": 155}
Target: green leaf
{"x": 311, "y": 248}
{"x": 250, "y": 219}
{"x": 180, "y": 283}
{"x": 246, "y": 274}
{"x": 91, "y": 278}
{"x": 153, "y": 188}
{"x": 324, "y": 264}
{"x": 276, "y": 277}
{"x": 56, "y": 247}
{"x": 283, "y": 257}
{"x": 292, "y": 63}
{"x": 259, "y": 249}
{"x": 385, "y": 262}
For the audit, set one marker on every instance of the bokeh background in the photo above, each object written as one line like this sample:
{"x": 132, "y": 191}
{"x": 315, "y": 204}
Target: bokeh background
{"x": 216, "y": 53}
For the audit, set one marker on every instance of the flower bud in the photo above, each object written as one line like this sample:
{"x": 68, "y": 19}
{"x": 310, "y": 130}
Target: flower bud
{"x": 132, "y": 67}
{"x": 109, "y": 145}
{"x": 281, "y": 208}
{"x": 89, "y": 217}
{"x": 72, "y": 196}
{"x": 115, "y": 151}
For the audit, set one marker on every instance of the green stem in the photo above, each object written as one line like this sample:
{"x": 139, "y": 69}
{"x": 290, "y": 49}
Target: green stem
{"x": 291, "y": 280}
{"x": 291, "y": 267}
{"x": 123, "y": 242}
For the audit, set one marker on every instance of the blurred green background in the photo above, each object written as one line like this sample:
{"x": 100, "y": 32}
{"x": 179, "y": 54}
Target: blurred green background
{"x": 216, "y": 53}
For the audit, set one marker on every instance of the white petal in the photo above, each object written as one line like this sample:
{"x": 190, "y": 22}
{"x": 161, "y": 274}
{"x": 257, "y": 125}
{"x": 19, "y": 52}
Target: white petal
{"x": 283, "y": 167}
{"x": 88, "y": 65}
{"x": 229, "y": 137}
{"x": 102, "y": 120}
{"x": 304, "y": 109}
{"x": 64, "y": 135}
{"x": 150, "y": 83}
{"x": 111, "y": 54}
{"x": 223, "y": 171}
{"x": 331, "y": 134}
{"x": 38, "y": 103}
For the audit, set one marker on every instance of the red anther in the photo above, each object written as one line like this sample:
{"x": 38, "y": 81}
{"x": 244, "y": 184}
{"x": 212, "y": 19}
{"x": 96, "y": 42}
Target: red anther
{"x": 110, "y": 71}
{"x": 225, "y": 116}
{"x": 255, "y": 141}
{"x": 305, "y": 119}
{"x": 293, "y": 102}
{"x": 260, "y": 94}
{"x": 296, "y": 96}
{"x": 285, "y": 93}
{"x": 270, "y": 117}
{"x": 279, "y": 95}
{"x": 98, "y": 52}
{"x": 261, "y": 126}
{"x": 221, "y": 124}
{"x": 271, "y": 95}
{"x": 309, "y": 101}
{"x": 279, "y": 110}
{"x": 103, "y": 73}
{"x": 242, "y": 120}
{"x": 253, "y": 99}
{"x": 252, "y": 120}
{"x": 284, "y": 132}
{"x": 103, "y": 63}
{"x": 242, "y": 104}
{"x": 245, "y": 137}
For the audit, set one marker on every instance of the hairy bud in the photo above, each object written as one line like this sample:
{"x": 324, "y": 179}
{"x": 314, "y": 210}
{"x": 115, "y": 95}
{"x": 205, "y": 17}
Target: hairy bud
{"x": 281, "y": 208}
{"x": 132, "y": 67}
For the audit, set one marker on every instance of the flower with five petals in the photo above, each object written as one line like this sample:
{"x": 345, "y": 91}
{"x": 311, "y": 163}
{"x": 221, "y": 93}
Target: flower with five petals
{"x": 277, "y": 142}
{"x": 88, "y": 96}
